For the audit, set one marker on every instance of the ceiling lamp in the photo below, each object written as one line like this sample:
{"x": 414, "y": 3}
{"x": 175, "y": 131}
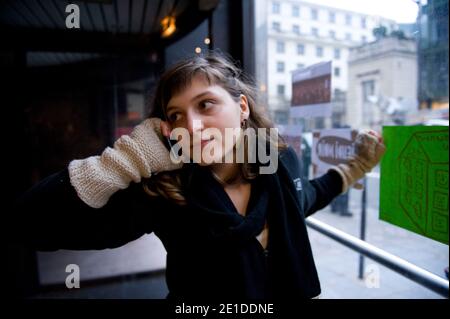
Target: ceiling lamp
{"x": 168, "y": 26}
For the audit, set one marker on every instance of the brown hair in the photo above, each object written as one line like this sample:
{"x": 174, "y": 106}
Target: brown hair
{"x": 220, "y": 70}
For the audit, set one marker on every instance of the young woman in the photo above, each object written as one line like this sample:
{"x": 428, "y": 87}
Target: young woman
{"x": 229, "y": 230}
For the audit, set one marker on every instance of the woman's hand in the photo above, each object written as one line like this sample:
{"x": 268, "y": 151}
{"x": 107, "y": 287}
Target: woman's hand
{"x": 165, "y": 129}
{"x": 149, "y": 137}
{"x": 369, "y": 148}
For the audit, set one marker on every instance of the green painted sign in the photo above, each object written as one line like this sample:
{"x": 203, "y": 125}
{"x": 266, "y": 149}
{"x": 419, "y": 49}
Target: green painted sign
{"x": 414, "y": 180}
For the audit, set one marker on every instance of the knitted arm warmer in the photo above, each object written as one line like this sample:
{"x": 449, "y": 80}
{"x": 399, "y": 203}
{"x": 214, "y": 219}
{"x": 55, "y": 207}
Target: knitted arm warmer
{"x": 132, "y": 157}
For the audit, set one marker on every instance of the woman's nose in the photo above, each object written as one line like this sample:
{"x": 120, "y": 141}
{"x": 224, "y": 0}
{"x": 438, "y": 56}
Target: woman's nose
{"x": 194, "y": 124}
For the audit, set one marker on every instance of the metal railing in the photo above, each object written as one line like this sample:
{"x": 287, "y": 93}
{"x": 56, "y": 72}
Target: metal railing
{"x": 401, "y": 266}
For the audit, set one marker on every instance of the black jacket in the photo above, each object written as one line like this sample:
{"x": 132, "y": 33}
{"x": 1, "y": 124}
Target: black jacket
{"x": 201, "y": 260}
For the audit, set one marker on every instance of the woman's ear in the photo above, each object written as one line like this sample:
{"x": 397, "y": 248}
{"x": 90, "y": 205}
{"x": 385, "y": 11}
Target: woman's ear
{"x": 245, "y": 110}
{"x": 165, "y": 128}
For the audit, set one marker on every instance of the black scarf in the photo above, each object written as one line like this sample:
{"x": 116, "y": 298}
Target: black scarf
{"x": 289, "y": 270}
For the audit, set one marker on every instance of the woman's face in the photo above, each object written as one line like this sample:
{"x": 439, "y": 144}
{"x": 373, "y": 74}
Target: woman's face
{"x": 201, "y": 106}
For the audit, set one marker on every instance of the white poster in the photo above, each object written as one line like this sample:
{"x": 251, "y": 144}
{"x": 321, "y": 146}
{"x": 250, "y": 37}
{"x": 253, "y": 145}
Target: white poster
{"x": 331, "y": 147}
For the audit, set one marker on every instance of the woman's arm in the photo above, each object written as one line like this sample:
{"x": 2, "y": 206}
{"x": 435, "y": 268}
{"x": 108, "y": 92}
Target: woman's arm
{"x": 51, "y": 216}
{"x": 319, "y": 192}
{"x": 313, "y": 194}
{"x": 133, "y": 157}
{"x": 97, "y": 202}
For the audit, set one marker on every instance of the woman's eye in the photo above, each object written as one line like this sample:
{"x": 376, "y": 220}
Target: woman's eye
{"x": 207, "y": 104}
{"x": 173, "y": 117}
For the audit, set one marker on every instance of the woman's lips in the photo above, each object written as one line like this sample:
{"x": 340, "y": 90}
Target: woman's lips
{"x": 204, "y": 142}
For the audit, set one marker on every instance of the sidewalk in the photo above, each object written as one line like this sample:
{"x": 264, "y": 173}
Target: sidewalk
{"x": 338, "y": 265}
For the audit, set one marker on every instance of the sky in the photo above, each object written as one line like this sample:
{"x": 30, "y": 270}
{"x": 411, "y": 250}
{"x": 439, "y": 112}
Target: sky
{"x": 402, "y": 11}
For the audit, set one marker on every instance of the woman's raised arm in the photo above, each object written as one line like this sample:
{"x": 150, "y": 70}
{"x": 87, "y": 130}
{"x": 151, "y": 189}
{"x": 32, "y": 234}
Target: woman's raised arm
{"x": 97, "y": 202}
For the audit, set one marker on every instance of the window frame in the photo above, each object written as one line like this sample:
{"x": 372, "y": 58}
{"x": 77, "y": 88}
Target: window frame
{"x": 319, "y": 51}
{"x": 314, "y": 14}
{"x": 280, "y": 46}
{"x": 337, "y": 53}
{"x": 348, "y": 19}
{"x": 276, "y": 4}
{"x": 300, "y": 49}
{"x": 281, "y": 92}
{"x": 295, "y": 11}
{"x": 332, "y": 17}
{"x": 280, "y": 67}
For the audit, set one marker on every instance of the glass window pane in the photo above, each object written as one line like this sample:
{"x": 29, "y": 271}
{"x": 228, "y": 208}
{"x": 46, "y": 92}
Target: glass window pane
{"x": 332, "y": 17}
{"x": 295, "y": 11}
{"x": 280, "y": 67}
{"x": 276, "y": 7}
{"x": 280, "y": 47}
{"x": 337, "y": 53}
{"x": 372, "y": 86}
{"x": 348, "y": 19}
{"x": 315, "y": 32}
{"x": 280, "y": 89}
{"x": 319, "y": 51}
{"x": 337, "y": 72}
{"x": 276, "y": 26}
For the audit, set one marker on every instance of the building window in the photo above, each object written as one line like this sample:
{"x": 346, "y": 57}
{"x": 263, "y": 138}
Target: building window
{"x": 319, "y": 122}
{"x": 332, "y": 34}
{"x": 276, "y": 26}
{"x": 275, "y": 8}
{"x": 280, "y": 47}
{"x": 280, "y": 89}
{"x": 314, "y": 14}
{"x": 368, "y": 89}
{"x": 300, "y": 49}
{"x": 348, "y": 37}
{"x": 348, "y": 19}
{"x": 300, "y": 65}
{"x": 332, "y": 17}
{"x": 319, "y": 51}
{"x": 337, "y": 71}
{"x": 337, "y": 53}
{"x": 280, "y": 67}
{"x": 295, "y": 11}
{"x": 296, "y": 29}
{"x": 364, "y": 39}
{"x": 363, "y": 22}
{"x": 315, "y": 32}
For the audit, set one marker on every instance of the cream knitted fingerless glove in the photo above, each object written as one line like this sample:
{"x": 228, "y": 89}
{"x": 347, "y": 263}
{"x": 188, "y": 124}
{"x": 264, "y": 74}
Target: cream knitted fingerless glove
{"x": 368, "y": 151}
{"x": 133, "y": 156}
